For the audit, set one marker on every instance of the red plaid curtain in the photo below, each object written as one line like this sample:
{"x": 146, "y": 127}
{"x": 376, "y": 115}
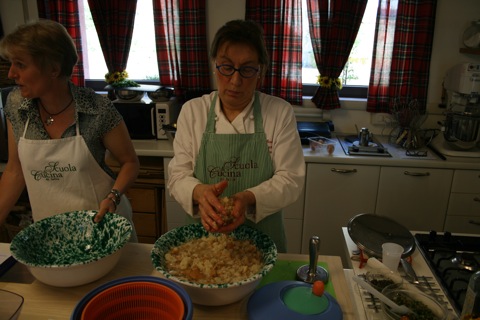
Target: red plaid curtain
{"x": 333, "y": 29}
{"x": 66, "y": 13}
{"x": 282, "y": 24}
{"x": 114, "y": 21}
{"x": 181, "y": 41}
{"x": 402, "y": 51}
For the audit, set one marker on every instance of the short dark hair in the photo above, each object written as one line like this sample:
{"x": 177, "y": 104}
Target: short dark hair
{"x": 245, "y": 32}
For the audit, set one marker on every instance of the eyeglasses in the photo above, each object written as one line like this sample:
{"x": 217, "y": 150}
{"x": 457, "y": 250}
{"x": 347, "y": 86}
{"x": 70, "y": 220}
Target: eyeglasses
{"x": 245, "y": 71}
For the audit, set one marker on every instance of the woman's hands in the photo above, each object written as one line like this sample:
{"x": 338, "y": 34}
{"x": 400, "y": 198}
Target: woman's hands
{"x": 211, "y": 209}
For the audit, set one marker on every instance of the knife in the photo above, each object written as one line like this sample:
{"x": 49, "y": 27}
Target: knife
{"x": 409, "y": 271}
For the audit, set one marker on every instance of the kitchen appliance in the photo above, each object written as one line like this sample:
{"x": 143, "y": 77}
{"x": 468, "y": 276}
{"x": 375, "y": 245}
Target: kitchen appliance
{"x": 146, "y": 120}
{"x": 453, "y": 259}
{"x": 314, "y": 129}
{"x": 369, "y": 306}
{"x": 135, "y": 297}
{"x": 462, "y": 124}
{"x": 313, "y": 272}
{"x": 363, "y": 144}
{"x": 3, "y": 124}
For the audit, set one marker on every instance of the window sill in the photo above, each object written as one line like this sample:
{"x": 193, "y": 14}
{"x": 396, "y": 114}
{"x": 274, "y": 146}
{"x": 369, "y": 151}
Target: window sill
{"x": 310, "y": 111}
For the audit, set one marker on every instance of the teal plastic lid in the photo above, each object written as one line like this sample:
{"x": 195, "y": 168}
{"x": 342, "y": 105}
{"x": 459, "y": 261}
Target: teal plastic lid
{"x": 302, "y": 300}
{"x": 286, "y": 300}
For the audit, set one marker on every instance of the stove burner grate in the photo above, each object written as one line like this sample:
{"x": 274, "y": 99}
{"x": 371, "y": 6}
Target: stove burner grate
{"x": 453, "y": 259}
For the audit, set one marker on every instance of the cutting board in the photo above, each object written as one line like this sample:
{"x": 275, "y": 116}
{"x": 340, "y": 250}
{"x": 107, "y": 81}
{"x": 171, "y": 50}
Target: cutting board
{"x": 287, "y": 270}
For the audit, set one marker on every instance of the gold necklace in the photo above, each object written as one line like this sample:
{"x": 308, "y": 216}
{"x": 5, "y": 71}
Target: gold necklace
{"x": 50, "y": 120}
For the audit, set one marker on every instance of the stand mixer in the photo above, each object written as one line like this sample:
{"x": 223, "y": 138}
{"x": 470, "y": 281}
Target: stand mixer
{"x": 461, "y": 128}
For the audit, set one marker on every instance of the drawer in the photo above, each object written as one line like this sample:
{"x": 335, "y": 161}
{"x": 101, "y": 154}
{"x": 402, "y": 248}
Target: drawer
{"x": 145, "y": 224}
{"x": 463, "y": 224}
{"x": 466, "y": 181}
{"x": 464, "y": 204}
{"x": 142, "y": 199}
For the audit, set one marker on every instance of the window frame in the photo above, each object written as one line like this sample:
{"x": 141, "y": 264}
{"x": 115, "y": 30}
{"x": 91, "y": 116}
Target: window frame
{"x": 356, "y": 92}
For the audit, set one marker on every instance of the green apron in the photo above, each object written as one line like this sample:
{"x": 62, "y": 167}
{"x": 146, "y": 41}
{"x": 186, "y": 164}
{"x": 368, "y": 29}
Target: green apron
{"x": 242, "y": 159}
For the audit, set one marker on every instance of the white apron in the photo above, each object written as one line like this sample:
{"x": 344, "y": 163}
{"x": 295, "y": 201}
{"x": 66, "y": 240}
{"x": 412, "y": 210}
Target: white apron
{"x": 62, "y": 175}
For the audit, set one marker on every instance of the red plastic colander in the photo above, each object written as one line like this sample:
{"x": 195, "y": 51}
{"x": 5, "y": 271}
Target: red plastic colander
{"x": 134, "y": 301}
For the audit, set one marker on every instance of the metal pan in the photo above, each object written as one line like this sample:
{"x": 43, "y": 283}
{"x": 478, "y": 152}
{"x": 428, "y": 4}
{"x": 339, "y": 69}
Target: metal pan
{"x": 370, "y": 231}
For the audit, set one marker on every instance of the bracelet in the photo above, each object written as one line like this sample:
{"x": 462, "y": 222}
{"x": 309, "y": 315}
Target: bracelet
{"x": 116, "y": 194}
{"x": 113, "y": 201}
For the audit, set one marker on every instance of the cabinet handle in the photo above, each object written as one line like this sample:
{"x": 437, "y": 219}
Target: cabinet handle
{"x": 416, "y": 174}
{"x": 474, "y": 222}
{"x": 344, "y": 170}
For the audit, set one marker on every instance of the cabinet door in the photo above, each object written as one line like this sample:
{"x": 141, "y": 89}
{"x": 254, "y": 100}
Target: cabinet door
{"x": 293, "y": 221}
{"x": 417, "y": 198}
{"x": 175, "y": 215}
{"x": 466, "y": 181}
{"x": 463, "y": 224}
{"x": 147, "y": 209}
{"x": 464, "y": 206}
{"x": 333, "y": 195}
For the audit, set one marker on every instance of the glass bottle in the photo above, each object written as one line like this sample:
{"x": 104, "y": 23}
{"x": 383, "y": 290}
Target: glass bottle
{"x": 471, "y": 306}
{"x": 471, "y": 36}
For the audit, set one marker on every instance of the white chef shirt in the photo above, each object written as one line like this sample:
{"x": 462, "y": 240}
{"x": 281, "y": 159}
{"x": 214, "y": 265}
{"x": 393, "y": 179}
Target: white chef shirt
{"x": 282, "y": 137}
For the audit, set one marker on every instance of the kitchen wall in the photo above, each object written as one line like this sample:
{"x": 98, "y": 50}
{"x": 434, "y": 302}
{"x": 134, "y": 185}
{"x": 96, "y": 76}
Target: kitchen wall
{"x": 16, "y": 12}
{"x": 453, "y": 17}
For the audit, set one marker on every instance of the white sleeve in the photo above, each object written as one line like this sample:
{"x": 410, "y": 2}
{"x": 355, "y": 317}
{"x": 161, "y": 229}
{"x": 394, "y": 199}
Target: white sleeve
{"x": 186, "y": 146}
{"x": 288, "y": 179}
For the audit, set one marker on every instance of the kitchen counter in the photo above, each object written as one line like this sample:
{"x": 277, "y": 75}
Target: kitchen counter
{"x": 46, "y": 302}
{"x": 164, "y": 148}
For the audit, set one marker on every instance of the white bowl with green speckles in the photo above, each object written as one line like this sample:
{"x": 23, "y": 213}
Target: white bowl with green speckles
{"x": 69, "y": 249}
{"x": 214, "y": 294}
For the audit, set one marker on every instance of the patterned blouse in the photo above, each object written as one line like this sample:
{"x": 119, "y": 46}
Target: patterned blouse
{"x": 95, "y": 114}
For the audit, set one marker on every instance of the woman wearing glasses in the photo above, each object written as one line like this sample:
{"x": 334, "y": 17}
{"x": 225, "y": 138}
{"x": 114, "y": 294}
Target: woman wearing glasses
{"x": 237, "y": 142}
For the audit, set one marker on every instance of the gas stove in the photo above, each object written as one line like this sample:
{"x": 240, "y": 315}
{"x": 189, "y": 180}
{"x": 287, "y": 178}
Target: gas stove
{"x": 453, "y": 259}
{"x": 368, "y": 306}
{"x": 352, "y": 146}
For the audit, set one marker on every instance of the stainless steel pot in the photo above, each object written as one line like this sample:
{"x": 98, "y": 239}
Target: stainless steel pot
{"x": 462, "y": 130}
{"x": 129, "y": 95}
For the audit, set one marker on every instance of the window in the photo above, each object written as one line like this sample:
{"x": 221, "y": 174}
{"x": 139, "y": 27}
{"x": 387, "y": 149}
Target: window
{"x": 356, "y": 74}
{"x": 142, "y": 62}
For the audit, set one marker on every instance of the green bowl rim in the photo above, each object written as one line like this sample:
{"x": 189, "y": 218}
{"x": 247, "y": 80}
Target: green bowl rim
{"x": 91, "y": 213}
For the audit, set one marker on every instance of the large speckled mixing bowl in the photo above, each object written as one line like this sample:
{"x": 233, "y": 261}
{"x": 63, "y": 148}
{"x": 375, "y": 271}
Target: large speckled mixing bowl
{"x": 69, "y": 249}
{"x": 214, "y": 294}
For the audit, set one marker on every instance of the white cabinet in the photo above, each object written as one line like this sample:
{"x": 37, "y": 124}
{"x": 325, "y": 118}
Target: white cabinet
{"x": 333, "y": 195}
{"x": 464, "y": 206}
{"x": 293, "y": 221}
{"x": 417, "y": 198}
